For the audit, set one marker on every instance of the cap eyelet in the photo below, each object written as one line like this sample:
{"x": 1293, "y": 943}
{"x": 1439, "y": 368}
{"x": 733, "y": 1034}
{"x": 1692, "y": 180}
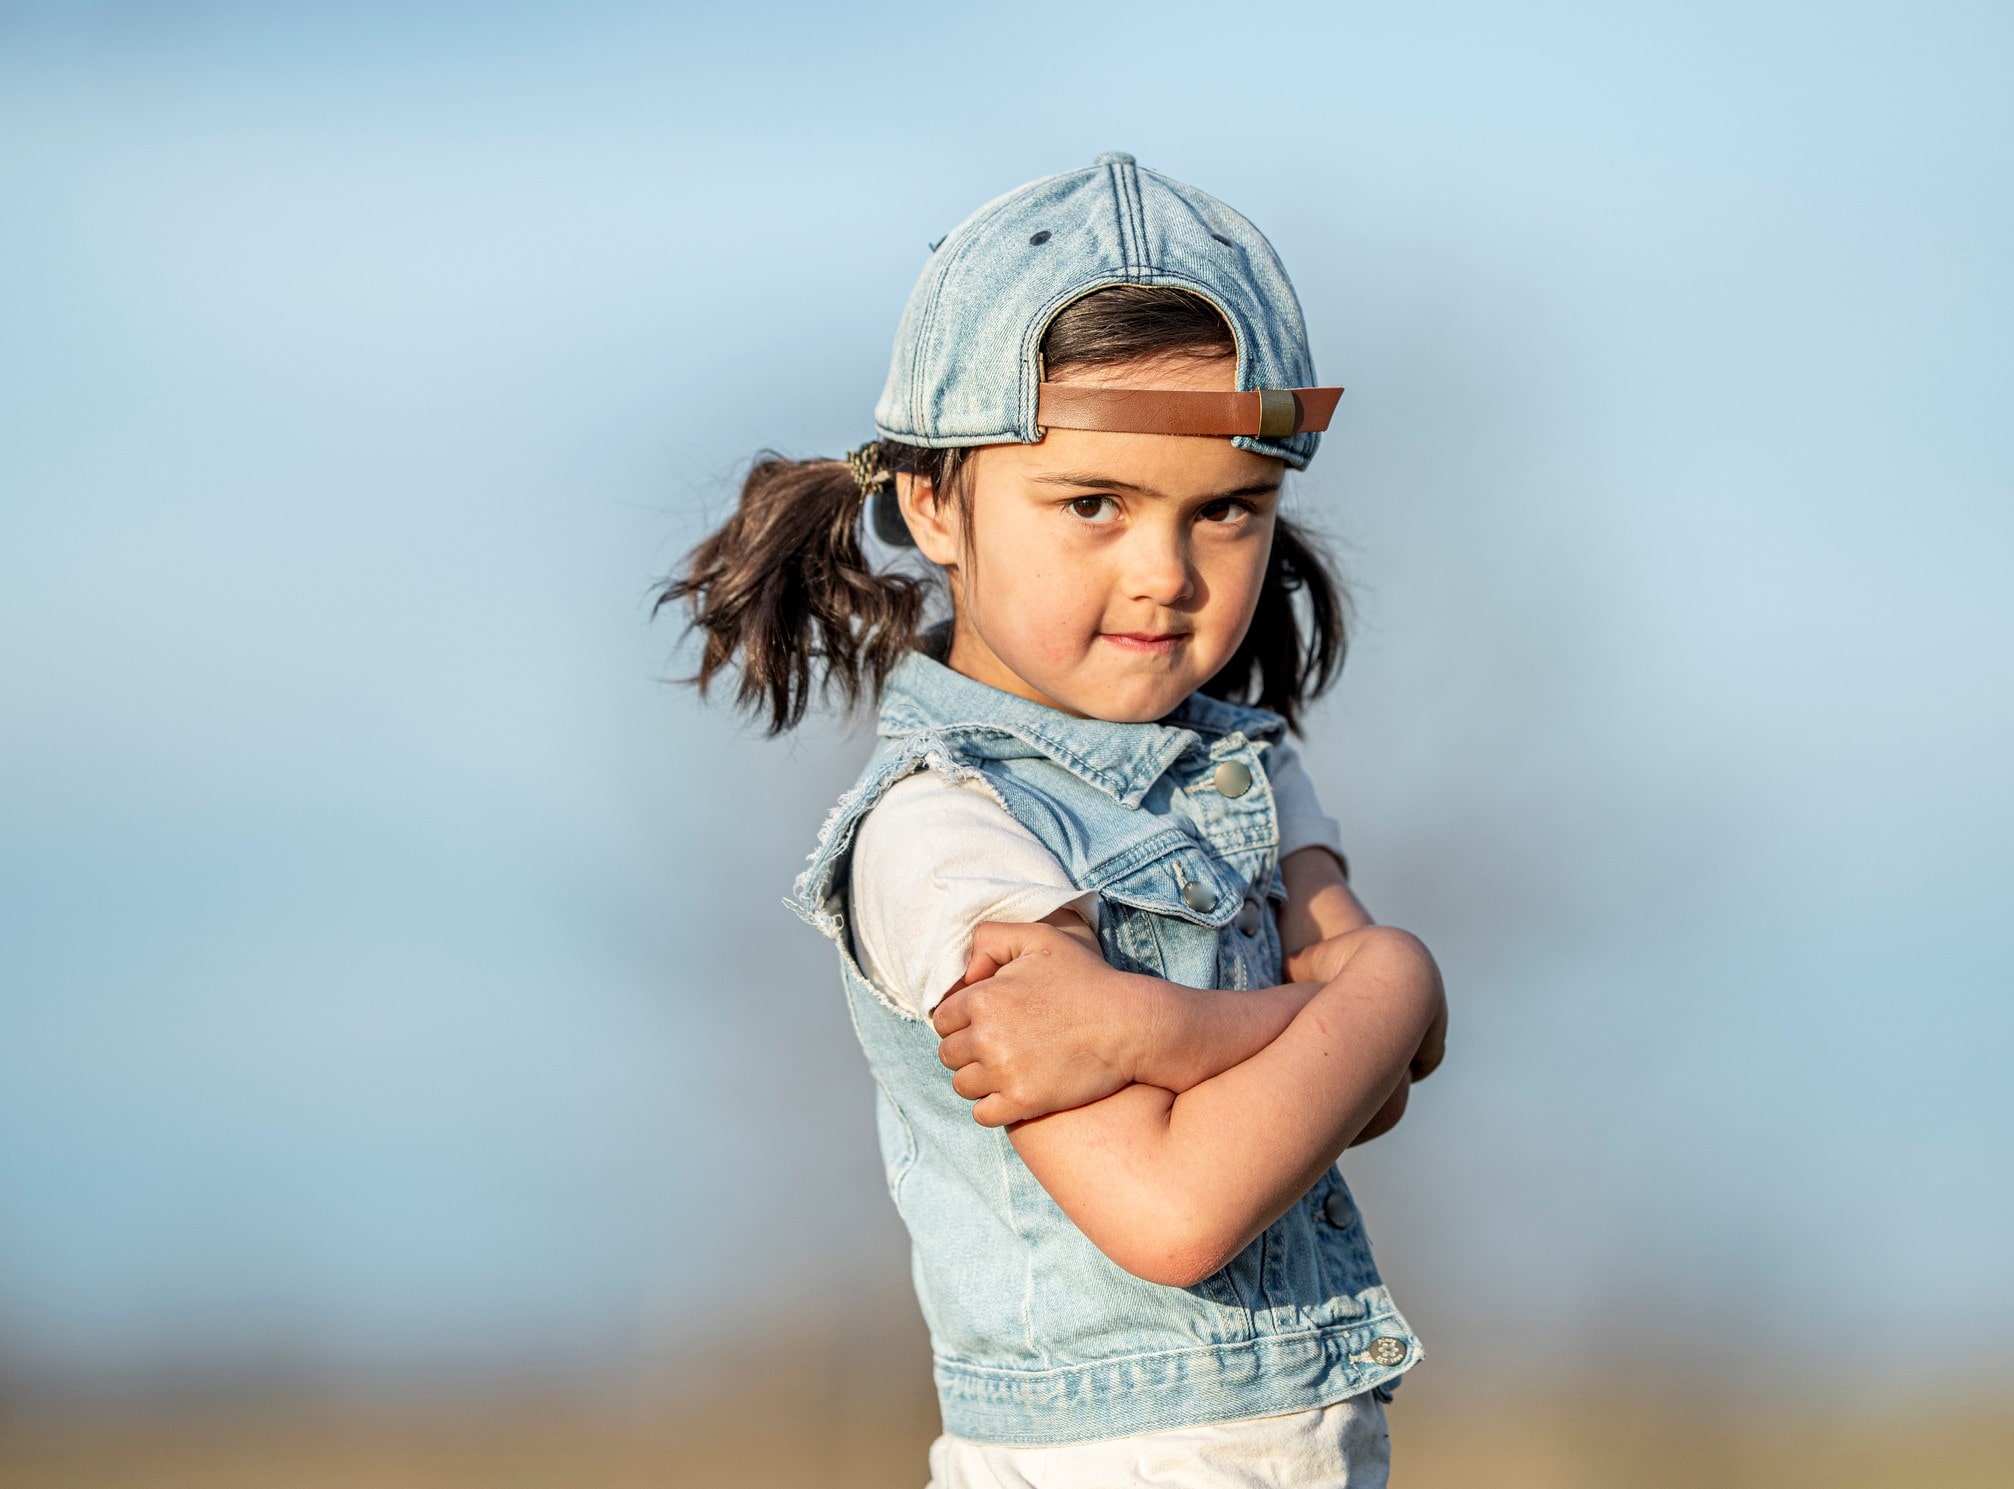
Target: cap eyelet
{"x": 1040, "y": 238}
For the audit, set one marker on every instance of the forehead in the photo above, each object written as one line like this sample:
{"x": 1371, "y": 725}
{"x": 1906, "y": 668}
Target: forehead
{"x": 1170, "y": 464}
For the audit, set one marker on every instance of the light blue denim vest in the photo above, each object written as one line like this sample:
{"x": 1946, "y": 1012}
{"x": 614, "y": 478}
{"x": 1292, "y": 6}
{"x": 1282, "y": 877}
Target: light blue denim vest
{"x": 1038, "y": 1338}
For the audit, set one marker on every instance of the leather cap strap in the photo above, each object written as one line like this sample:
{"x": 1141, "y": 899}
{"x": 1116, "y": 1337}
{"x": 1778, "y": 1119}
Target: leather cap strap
{"x": 1271, "y": 414}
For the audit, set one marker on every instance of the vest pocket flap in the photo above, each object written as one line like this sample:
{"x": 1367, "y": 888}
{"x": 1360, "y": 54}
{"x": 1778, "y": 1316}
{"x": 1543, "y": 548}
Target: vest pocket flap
{"x": 1186, "y": 881}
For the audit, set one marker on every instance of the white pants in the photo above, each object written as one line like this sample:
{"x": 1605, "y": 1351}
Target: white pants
{"x": 1345, "y": 1446}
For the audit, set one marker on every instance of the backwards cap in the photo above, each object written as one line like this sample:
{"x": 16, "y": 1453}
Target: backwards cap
{"x": 968, "y": 370}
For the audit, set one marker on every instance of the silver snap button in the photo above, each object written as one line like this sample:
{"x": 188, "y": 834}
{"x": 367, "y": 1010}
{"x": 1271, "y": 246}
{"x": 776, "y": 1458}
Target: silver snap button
{"x": 1198, "y": 897}
{"x": 1233, "y": 778}
{"x": 1387, "y": 1351}
{"x": 1338, "y": 1211}
{"x": 1248, "y": 918}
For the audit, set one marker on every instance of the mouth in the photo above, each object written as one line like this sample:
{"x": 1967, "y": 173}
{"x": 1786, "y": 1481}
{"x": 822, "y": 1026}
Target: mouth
{"x": 1146, "y": 643}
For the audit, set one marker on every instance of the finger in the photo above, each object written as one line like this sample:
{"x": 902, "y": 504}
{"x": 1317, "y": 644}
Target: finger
{"x": 958, "y": 1051}
{"x": 994, "y": 1111}
{"x": 1433, "y": 1049}
{"x": 951, "y": 1014}
{"x": 972, "y": 1082}
{"x": 1001, "y": 941}
{"x": 1387, "y": 1117}
{"x": 978, "y": 969}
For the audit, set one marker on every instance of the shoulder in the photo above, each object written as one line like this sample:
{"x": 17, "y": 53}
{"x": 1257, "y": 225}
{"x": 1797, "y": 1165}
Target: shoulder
{"x": 930, "y": 826}
{"x": 930, "y": 804}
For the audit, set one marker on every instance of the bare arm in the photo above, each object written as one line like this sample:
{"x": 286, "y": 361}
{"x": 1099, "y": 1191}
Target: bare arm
{"x": 1027, "y": 1045}
{"x": 1031, "y": 1042}
{"x": 1172, "y": 1186}
{"x": 1075, "y": 1050}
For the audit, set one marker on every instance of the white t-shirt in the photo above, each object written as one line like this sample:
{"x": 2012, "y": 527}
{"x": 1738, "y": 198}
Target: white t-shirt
{"x": 933, "y": 860}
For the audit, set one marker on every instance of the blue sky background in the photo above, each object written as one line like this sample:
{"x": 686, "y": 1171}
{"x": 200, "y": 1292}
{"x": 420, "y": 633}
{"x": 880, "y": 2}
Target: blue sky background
{"x": 392, "y": 970}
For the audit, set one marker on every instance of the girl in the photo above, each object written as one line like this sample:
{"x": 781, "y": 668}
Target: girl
{"x": 1122, "y": 1009}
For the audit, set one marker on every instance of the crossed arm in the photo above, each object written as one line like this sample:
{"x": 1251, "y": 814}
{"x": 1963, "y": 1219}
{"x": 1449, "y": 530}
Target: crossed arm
{"x": 1195, "y": 1118}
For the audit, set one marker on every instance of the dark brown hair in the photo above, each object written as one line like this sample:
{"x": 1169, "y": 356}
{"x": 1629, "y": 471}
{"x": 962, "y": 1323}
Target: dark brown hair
{"x": 783, "y": 592}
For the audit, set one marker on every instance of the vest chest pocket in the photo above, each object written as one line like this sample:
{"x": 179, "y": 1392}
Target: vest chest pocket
{"x": 1186, "y": 915}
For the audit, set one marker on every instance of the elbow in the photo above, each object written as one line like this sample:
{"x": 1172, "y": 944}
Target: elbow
{"x": 1183, "y": 1271}
{"x": 1177, "y": 1267}
{"x": 1174, "y": 1255}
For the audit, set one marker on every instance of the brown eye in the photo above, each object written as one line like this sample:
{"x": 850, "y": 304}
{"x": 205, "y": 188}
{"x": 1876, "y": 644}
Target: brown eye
{"x": 1094, "y": 508}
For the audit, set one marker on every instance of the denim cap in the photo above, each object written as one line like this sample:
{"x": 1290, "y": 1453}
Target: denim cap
{"x": 967, "y": 364}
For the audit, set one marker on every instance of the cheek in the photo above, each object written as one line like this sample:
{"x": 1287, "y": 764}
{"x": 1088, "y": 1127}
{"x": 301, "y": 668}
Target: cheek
{"x": 1062, "y": 609}
{"x": 1031, "y": 598}
{"x": 1235, "y": 579}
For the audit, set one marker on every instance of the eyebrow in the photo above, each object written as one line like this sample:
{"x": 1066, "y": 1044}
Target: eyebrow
{"x": 1108, "y": 483}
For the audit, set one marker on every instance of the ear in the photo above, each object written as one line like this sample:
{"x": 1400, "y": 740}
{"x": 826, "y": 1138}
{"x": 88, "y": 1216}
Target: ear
{"x": 933, "y": 523}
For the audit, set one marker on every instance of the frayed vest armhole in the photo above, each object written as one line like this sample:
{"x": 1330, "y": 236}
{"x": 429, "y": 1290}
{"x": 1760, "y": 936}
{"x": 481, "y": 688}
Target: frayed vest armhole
{"x": 820, "y": 895}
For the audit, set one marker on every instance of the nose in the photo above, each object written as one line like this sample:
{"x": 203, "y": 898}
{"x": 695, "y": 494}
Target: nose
{"x": 1157, "y": 566}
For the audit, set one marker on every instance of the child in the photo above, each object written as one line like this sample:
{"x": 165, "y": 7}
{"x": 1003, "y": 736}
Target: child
{"x": 1083, "y": 884}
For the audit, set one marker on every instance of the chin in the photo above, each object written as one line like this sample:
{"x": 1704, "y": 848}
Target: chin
{"x": 1142, "y": 704}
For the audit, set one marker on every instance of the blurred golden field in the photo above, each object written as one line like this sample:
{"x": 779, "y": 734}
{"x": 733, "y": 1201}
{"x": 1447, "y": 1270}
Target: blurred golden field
{"x": 842, "y": 1408}
{"x": 1565, "y": 1442}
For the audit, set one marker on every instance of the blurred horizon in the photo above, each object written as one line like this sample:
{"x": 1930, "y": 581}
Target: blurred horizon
{"x": 395, "y": 990}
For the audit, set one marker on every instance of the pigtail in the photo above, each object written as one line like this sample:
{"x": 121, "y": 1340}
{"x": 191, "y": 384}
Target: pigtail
{"x": 1281, "y": 665}
{"x": 783, "y": 594}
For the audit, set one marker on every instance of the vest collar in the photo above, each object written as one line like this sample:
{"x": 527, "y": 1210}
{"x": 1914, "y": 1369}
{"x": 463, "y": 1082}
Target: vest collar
{"x": 1121, "y": 760}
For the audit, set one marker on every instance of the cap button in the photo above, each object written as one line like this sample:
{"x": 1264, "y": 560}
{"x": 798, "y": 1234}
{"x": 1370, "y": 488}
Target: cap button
{"x": 1198, "y": 897}
{"x": 1114, "y": 157}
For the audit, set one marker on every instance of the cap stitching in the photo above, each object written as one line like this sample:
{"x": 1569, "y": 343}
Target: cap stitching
{"x": 1132, "y": 242}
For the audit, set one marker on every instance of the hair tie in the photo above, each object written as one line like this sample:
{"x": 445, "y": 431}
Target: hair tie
{"x": 869, "y": 474}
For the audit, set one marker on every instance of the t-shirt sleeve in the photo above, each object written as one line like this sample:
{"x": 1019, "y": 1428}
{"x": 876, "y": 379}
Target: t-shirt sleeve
{"x": 933, "y": 860}
{"x": 1303, "y": 823}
